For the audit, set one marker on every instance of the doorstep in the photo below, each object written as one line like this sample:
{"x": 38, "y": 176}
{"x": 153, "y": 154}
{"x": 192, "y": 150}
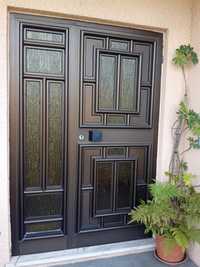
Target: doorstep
{"x": 62, "y": 257}
{"x": 145, "y": 259}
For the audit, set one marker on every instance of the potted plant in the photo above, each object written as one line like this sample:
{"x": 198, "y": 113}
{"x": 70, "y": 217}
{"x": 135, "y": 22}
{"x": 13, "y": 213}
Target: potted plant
{"x": 172, "y": 214}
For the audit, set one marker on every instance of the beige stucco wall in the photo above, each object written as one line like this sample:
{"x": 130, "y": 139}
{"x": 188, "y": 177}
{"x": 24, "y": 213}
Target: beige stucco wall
{"x": 173, "y": 17}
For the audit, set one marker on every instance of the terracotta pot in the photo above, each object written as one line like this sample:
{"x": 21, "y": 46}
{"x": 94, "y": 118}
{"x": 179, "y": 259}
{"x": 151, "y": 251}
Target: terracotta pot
{"x": 176, "y": 255}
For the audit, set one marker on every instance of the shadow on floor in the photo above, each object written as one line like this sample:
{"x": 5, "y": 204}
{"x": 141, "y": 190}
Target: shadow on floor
{"x": 138, "y": 260}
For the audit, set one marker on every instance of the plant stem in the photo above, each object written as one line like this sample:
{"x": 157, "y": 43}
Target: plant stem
{"x": 176, "y": 160}
{"x": 185, "y": 83}
{"x": 186, "y": 150}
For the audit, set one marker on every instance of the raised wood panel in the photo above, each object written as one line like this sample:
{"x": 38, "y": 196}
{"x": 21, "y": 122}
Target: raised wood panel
{"x": 87, "y": 156}
{"x": 146, "y": 50}
{"x": 143, "y": 119}
{"x": 90, "y": 44}
{"x": 89, "y": 117}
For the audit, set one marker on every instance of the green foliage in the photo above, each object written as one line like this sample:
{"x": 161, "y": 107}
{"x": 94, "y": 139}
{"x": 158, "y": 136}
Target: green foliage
{"x": 174, "y": 209}
{"x": 164, "y": 191}
{"x": 185, "y": 55}
{"x": 192, "y": 122}
{"x": 187, "y": 178}
{"x": 172, "y": 212}
{"x": 184, "y": 177}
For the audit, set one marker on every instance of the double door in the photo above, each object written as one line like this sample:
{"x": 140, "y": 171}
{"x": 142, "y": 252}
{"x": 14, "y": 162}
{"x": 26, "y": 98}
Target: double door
{"x": 84, "y": 104}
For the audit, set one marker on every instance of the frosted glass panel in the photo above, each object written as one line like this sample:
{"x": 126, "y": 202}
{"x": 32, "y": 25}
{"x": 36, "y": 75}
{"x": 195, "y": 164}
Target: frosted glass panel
{"x": 55, "y": 132}
{"x": 115, "y": 151}
{"x": 32, "y": 92}
{"x": 124, "y": 181}
{"x": 44, "y": 61}
{"x": 43, "y": 205}
{"x": 119, "y": 45}
{"x": 128, "y": 88}
{"x": 107, "y": 82}
{"x": 43, "y": 227}
{"x": 104, "y": 174}
{"x": 115, "y": 120}
{"x": 43, "y": 36}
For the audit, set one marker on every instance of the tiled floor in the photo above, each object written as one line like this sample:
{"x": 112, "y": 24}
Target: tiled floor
{"x": 137, "y": 260}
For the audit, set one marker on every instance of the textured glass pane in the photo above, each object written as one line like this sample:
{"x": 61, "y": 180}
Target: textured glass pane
{"x": 128, "y": 89}
{"x": 46, "y": 61}
{"x": 119, "y": 45}
{"x": 43, "y": 205}
{"x": 32, "y": 92}
{"x": 141, "y": 194}
{"x": 55, "y": 132}
{"x": 113, "y": 221}
{"x": 104, "y": 174}
{"x": 107, "y": 82}
{"x": 115, "y": 151}
{"x": 124, "y": 179}
{"x": 42, "y": 227}
{"x": 42, "y": 36}
{"x": 115, "y": 120}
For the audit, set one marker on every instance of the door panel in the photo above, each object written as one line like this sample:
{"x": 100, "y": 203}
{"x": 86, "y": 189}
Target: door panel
{"x": 84, "y": 104}
{"x": 117, "y": 82}
{"x": 110, "y": 178}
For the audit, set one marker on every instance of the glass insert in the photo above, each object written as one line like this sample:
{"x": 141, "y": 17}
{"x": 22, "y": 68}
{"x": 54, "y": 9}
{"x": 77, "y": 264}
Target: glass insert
{"x": 128, "y": 85}
{"x": 104, "y": 175}
{"x": 32, "y": 143}
{"x": 116, "y": 120}
{"x": 119, "y": 45}
{"x": 124, "y": 183}
{"x": 55, "y": 132}
{"x": 113, "y": 221}
{"x": 115, "y": 151}
{"x": 107, "y": 82}
{"x": 42, "y": 205}
{"x": 44, "y": 36}
{"x": 141, "y": 194}
{"x": 43, "y": 227}
{"x": 44, "y": 61}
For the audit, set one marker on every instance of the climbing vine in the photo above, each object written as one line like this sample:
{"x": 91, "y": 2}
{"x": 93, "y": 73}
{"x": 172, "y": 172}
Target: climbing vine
{"x": 187, "y": 123}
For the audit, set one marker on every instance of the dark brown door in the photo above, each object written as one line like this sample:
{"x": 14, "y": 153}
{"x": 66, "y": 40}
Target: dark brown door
{"x": 84, "y": 104}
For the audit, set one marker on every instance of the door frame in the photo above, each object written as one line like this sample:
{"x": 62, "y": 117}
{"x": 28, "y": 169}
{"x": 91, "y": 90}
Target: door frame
{"x": 13, "y": 99}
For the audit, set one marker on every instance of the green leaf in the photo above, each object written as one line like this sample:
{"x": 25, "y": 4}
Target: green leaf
{"x": 183, "y": 165}
{"x": 164, "y": 191}
{"x": 181, "y": 238}
{"x": 185, "y": 55}
{"x": 194, "y": 235}
{"x": 187, "y": 178}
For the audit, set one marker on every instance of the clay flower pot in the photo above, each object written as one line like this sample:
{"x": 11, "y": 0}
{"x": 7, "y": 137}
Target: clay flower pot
{"x": 176, "y": 255}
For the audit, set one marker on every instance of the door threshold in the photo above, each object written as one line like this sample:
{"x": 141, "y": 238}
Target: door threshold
{"x": 54, "y": 258}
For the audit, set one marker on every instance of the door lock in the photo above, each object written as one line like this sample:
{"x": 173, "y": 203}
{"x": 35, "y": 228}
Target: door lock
{"x": 81, "y": 137}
